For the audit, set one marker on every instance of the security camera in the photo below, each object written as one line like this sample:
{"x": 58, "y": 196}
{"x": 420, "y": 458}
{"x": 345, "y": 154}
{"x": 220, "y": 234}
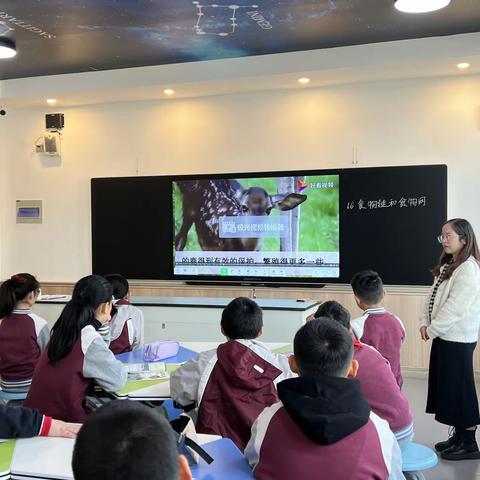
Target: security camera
{"x": 3, "y": 112}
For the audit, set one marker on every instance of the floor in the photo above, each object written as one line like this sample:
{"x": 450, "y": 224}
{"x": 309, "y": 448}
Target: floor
{"x": 428, "y": 432}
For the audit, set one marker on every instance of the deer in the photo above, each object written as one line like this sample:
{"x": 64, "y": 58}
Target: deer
{"x": 205, "y": 201}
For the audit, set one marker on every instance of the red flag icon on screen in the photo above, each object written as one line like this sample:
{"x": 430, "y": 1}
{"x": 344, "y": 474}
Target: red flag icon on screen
{"x": 302, "y": 185}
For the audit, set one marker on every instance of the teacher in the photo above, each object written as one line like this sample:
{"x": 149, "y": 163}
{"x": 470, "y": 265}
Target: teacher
{"x": 451, "y": 319}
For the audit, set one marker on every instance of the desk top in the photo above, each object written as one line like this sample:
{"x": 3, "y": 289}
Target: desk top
{"x": 198, "y": 302}
{"x": 228, "y": 462}
{"x": 50, "y": 458}
{"x": 183, "y": 355}
{"x": 6, "y": 455}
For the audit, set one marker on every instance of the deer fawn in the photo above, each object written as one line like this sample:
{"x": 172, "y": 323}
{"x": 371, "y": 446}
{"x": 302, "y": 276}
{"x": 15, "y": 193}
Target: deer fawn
{"x": 205, "y": 201}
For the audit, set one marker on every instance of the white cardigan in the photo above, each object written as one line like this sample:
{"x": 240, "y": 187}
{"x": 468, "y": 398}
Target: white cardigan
{"x": 456, "y": 310}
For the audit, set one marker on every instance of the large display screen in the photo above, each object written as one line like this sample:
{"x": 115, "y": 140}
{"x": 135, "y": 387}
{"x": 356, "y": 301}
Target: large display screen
{"x": 269, "y": 227}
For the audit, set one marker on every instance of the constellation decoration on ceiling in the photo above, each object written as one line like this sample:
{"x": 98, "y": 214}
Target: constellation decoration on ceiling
{"x": 4, "y": 28}
{"x": 199, "y": 30}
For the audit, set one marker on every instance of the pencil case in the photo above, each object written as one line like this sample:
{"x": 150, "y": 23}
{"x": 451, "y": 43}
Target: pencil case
{"x": 157, "y": 351}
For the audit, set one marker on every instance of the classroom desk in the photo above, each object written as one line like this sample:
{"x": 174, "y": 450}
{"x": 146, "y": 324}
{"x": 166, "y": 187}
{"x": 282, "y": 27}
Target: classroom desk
{"x": 158, "y": 390}
{"x": 151, "y": 390}
{"x": 197, "y": 319}
{"x": 46, "y": 458}
{"x": 228, "y": 463}
{"x": 6, "y": 455}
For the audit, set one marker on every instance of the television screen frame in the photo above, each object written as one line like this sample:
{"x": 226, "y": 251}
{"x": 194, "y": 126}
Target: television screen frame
{"x": 389, "y": 222}
{"x": 259, "y": 280}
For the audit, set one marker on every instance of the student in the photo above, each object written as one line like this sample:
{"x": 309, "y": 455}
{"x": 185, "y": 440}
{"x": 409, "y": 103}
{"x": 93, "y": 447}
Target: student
{"x": 376, "y": 379}
{"x": 126, "y": 327}
{"x": 138, "y": 441}
{"x": 19, "y": 422}
{"x": 232, "y": 384}
{"x": 377, "y": 327}
{"x": 77, "y": 356}
{"x": 322, "y": 425}
{"x": 23, "y": 334}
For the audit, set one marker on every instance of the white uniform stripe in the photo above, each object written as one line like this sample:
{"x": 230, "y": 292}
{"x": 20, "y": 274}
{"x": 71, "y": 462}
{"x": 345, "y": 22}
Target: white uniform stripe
{"x": 259, "y": 429}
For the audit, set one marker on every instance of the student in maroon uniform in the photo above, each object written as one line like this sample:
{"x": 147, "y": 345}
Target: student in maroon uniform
{"x": 139, "y": 443}
{"x": 126, "y": 326}
{"x": 77, "y": 356}
{"x": 19, "y": 422}
{"x": 376, "y": 379}
{"x": 322, "y": 427}
{"x": 235, "y": 382}
{"x": 377, "y": 327}
{"x": 23, "y": 334}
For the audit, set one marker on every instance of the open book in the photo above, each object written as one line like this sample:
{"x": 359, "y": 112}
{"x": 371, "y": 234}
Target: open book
{"x": 146, "y": 371}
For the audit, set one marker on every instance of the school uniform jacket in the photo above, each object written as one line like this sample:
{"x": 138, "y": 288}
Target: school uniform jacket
{"x": 231, "y": 385}
{"x": 456, "y": 309}
{"x": 385, "y": 332}
{"x": 59, "y": 390}
{"x": 322, "y": 428}
{"x": 19, "y": 422}
{"x": 126, "y": 328}
{"x": 23, "y": 337}
{"x": 380, "y": 387}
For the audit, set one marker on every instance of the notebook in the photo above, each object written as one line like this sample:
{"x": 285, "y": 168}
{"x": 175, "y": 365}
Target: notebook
{"x": 43, "y": 457}
{"x": 146, "y": 371}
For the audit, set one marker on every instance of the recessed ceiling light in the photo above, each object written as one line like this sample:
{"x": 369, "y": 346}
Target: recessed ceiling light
{"x": 51, "y": 101}
{"x": 168, "y": 91}
{"x": 304, "y": 81}
{"x": 420, "y": 6}
{"x": 7, "y": 48}
{"x": 463, "y": 65}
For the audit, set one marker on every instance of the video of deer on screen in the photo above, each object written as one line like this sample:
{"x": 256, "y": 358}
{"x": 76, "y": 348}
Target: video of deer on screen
{"x": 205, "y": 202}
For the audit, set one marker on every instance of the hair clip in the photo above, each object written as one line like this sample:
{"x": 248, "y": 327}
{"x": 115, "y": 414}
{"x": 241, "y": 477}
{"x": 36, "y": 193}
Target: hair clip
{"x": 18, "y": 278}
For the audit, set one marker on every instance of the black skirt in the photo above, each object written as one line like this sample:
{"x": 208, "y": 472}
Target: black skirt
{"x": 451, "y": 384}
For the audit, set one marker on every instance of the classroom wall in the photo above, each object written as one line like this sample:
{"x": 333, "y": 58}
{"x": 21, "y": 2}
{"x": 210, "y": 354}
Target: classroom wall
{"x": 402, "y": 122}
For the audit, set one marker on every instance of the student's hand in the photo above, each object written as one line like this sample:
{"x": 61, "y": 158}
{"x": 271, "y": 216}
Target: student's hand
{"x": 424, "y": 334}
{"x": 64, "y": 429}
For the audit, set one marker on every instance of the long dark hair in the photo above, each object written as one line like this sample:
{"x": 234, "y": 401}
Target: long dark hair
{"x": 89, "y": 293}
{"x": 16, "y": 288}
{"x": 465, "y": 231}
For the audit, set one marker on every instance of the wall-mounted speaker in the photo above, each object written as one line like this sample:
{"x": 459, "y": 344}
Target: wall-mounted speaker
{"x": 54, "y": 121}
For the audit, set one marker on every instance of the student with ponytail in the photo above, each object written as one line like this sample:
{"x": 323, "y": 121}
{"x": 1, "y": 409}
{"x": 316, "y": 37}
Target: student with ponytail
{"x": 126, "y": 327}
{"x": 23, "y": 335}
{"x": 77, "y": 356}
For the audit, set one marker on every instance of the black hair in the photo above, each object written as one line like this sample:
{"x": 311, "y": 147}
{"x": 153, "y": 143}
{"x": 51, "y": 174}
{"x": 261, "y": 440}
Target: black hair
{"x": 119, "y": 284}
{"x": 88, "y": 294}
{"x": 242, "y": 318}
{"x": 137, "y": 440}
{"x": 15, "y": 289}
{"x": 323, "y": 347}
{"x": 120, "y": 288}
{"x": 367, "y": 286}
{"x": 335, "y": 311}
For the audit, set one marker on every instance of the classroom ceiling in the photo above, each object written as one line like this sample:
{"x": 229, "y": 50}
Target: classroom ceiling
{"x": 69, "y": 36}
